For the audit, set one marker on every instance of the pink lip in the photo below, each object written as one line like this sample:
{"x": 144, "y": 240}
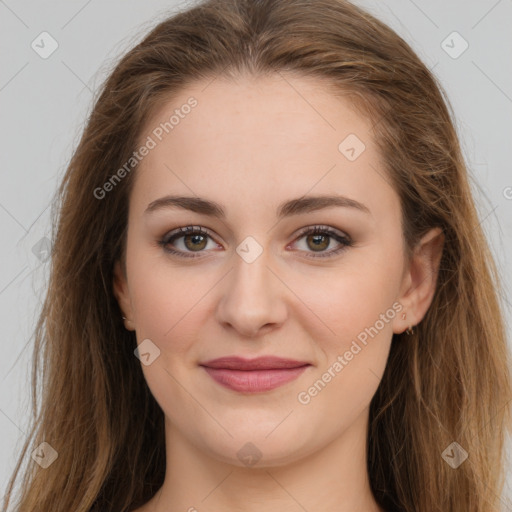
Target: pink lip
{"x": 254, "y": 375}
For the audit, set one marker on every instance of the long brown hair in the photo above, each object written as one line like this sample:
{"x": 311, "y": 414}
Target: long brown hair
{"x": 448, "y": 382}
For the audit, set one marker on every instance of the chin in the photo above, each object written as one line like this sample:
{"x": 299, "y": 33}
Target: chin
{"x": 255, "y": 448}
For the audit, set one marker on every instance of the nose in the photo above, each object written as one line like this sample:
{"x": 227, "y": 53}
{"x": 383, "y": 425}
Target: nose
{"x": 253, "y": 298}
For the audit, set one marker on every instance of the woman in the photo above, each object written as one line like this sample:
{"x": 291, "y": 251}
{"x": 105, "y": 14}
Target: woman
{"x": 335, "y": 344}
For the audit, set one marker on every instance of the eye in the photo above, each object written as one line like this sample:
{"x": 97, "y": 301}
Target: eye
{"x": 195, "y": 239}
{"x": 319, "y": 238}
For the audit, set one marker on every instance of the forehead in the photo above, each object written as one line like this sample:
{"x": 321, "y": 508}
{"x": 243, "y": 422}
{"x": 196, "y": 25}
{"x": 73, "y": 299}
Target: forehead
{"x": 260, "y": 139}
{"x": 276, "y": 111}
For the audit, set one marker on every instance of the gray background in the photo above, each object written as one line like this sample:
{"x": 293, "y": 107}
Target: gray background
{"x": 44, "y": 103}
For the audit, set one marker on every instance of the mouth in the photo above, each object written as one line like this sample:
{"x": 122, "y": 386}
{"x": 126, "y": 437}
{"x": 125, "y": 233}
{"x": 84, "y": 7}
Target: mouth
{"x": 254, "y": 375}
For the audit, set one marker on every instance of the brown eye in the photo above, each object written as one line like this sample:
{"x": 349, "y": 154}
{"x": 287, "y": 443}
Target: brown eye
{"x": 319, "y": 238}
{"x": 193, "y": 239}
{"x": 318, "y": 242}
{"x": 195, "y": 242}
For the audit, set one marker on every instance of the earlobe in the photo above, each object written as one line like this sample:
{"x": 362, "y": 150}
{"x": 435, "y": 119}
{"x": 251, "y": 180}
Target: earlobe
{"x": 421, "y": 279}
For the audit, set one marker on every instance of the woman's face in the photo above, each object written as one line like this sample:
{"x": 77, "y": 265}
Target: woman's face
{"x": 272, "y": 155}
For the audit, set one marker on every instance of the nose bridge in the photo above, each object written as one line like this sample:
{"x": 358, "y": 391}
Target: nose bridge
{"x": 251, "y": 276}
{"x": 252, "y": 295}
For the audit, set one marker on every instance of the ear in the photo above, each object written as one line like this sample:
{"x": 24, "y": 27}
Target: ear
{"x": 419, "y": 281}
{"x": 121, "y": 293}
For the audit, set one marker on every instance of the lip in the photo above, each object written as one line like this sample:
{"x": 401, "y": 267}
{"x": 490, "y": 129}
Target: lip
{"x": 258, "y": 363}
{"x": 254, "y": 375}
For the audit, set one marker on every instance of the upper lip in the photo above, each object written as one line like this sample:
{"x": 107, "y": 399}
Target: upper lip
{"x": 259, "y": 363}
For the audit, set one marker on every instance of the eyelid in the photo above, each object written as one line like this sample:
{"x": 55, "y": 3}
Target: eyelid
{"x": 187, "y": 230}
{"x": 322, "y": 228}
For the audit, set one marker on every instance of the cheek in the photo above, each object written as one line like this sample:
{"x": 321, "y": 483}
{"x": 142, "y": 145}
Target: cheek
{"x": 353, "y": 297}
{"x": 169, "y": 311}
{"x": 168, "y": 302}
{"x": 357, "y": 309}
{"x": 163, "y": 303}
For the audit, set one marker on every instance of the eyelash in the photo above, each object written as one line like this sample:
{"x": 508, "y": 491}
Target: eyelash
{"x": 198, "y": 230}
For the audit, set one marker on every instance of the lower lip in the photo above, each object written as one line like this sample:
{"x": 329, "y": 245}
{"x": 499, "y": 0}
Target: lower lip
{"x": 254, "y": 381}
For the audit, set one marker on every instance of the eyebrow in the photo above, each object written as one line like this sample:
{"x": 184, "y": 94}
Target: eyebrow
{"x": 286, "y": 209}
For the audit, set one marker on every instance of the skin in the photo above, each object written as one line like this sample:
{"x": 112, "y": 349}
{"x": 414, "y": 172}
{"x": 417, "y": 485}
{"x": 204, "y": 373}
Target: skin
{"x": 251, "y": 144}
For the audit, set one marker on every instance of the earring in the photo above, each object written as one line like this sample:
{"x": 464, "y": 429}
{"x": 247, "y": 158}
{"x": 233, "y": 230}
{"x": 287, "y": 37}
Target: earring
{"x": 410, "y": 329}
{"x": 127, "y": 323}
